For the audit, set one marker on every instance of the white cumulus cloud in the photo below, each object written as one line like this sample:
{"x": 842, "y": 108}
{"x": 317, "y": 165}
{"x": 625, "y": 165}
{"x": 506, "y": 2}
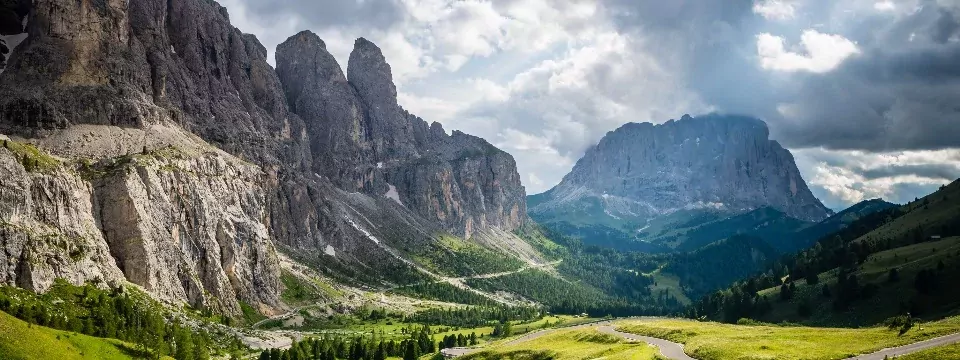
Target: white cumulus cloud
{"x": 774, "y": 9}
{"x": 818, "y": 53}
{"x": 844, "y": 177}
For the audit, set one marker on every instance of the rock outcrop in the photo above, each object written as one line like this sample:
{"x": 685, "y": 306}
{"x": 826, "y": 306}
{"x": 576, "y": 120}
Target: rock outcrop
{"x": 303, "y": 158}
{"x": 47, "y": 228}
{"x": 184, "y": 227}
{"x": 189, "y": 227}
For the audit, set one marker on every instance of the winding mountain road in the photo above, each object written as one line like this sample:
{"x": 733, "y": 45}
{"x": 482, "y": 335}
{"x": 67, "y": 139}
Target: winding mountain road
{"x": 668, "y": 349}
{"x": 910, "y": 348}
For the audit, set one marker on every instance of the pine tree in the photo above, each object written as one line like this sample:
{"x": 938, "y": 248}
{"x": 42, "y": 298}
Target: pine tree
{"x": 507, "y": 329}
{"x": 411, "y": 352}
{"x": 381, "y": 353}
{"x": 893, "y": 275}
{"x": 812, "y": 277}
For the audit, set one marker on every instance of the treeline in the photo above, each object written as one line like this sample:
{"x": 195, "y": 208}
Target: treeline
{"x": 419, "y": 342}
{"x": 565, "y": 297}
{"x": 616, "y": 273}
{"x": 475, "y": 316}
{"x": 598, "y": 281}
{"x": 717, "y": 265}
{"x": 108, "y": 314}
{"x": 832, "y": 251}
{"x": 442, "y": 291}
{"x": 465, "y": 259}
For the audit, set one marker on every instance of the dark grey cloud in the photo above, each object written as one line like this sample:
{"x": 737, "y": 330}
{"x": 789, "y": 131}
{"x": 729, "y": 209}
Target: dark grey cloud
{"x": 901, "y": 92}
{"x": 933, "y": 171}
{"x": 317, "y": 15}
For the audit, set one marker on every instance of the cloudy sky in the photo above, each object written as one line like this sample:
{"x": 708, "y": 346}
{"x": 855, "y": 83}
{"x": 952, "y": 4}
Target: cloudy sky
{"x": 865, "y": 93}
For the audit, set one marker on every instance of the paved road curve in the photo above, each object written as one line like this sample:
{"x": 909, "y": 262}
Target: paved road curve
{"x": 910, "y": 348}
{"x": 668, "y": 349}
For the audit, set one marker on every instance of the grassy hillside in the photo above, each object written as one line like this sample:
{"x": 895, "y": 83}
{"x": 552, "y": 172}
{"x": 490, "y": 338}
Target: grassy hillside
{"x": 716, "y": 341}
{"x": 891, "y": 262}
{"x": 122, "y": 313}
{"x": 881, "y": 298}
{"x": 569, "y": 345}
{"x": 21, "y": 340}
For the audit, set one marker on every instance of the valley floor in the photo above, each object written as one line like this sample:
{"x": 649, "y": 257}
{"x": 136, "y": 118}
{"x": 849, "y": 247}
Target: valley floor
{"x": 635, "y": 338}
{"x": 687, "y": 339}
{"x": 709, "y": 340}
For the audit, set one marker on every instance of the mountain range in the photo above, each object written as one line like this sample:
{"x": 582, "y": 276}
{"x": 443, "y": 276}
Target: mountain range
{"x": 150, "y": 143}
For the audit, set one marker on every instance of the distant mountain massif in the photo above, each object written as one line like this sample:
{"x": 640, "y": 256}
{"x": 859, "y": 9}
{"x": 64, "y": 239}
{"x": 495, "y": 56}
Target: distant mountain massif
{"x": 680, "y": 185}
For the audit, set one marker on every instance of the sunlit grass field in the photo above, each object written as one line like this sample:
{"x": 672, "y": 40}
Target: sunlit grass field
{"x": 19, "y": 340}
{"x": 574, "y": 344}
{"x": 716, "y": 341}
{"x": 394, "y": 329}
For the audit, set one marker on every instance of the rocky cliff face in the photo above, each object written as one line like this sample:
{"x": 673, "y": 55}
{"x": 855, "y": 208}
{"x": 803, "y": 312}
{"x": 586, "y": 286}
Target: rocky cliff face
{"x": 185, "y": 227}
{"x": 715, "y": 162}
{"x": 189, "y": 227}
{"x": 364, "y": 141}
{"x": 47, "y": 228}
{"x": 309, "y": 156}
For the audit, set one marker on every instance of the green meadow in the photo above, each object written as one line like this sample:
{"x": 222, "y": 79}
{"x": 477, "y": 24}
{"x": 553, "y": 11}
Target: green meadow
{"x": 20, "y": 340}
{"x": 573, "y": 344}
{"x": 717, "y": 341}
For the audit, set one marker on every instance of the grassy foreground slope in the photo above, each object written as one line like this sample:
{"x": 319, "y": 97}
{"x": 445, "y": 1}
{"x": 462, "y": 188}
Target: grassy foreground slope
{"x": 570, "y": 345}
{"x": 20, "y": 340}
{"x": 716, "y": 341}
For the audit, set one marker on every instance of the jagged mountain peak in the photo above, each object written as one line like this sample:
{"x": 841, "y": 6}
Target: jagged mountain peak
{"x": 369, "y": 71}
{"x": 309, "y": 37}
{"x": 364, "y": 141}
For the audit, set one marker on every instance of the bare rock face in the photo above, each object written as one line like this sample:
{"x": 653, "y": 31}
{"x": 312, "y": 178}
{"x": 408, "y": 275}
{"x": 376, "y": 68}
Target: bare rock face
{"x": 197, "y": 230}
{"x": 184, "y": 228}
{"x": 717, "y": 162}
{"x": 364, "y": 141}
{"x": 190, "y": 228}
{"x": 390, "y": 131}
{"x": 315, "y": 85}
{"x": 47, "y": 229}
